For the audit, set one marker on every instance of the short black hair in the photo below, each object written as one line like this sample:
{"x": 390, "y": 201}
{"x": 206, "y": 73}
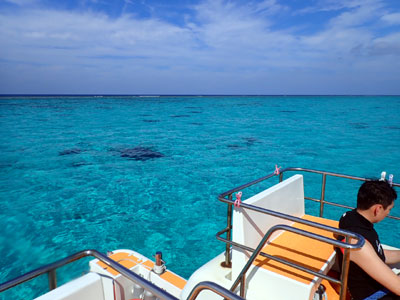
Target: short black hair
{"x": 375, "y": 192}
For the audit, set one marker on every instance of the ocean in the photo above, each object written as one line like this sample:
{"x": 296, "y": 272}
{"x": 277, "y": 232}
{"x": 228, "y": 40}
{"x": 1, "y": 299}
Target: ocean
{"x": 143, "y": 173}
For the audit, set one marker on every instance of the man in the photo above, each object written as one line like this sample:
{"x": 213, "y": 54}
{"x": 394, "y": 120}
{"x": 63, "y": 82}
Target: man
{"x": 369, "y": 275}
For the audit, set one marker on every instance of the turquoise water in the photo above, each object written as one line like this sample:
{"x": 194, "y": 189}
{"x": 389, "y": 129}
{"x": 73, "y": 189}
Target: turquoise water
{"x": 144, "y": 173}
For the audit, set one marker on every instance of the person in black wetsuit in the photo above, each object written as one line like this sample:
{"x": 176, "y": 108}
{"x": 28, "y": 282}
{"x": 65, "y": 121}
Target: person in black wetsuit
{"x": 369, "y": 275}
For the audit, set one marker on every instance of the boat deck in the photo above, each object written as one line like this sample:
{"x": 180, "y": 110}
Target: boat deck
{"x": 129, "y": 260}
{"x": 313, "y": 254}
{"x": 302, "y": 250}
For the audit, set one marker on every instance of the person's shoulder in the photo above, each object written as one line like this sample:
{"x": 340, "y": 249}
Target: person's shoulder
{"x": 354, "y": 222}
{"x": 348, "y": 218}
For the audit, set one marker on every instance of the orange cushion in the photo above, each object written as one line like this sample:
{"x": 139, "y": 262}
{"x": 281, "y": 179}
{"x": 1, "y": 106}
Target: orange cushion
{"x": 298, "y": 249}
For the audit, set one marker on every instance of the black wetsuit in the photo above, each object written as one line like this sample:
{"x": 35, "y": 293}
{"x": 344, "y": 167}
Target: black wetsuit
{"x": 360, "y": 284}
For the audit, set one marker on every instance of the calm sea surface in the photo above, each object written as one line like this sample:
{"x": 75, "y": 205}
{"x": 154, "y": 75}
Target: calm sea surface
{"x": 144, "y": 173}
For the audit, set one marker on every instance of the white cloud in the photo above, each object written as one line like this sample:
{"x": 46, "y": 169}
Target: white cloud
{"x": 270, "y": 7}
{"x": 223, "y": 43}
{"x": 391, "y": 19}
{"x": 387, "y": 45}
{"x": 358, "y": 16}
{"x": 336, "y": 5}
{"x": 89, "y": 33}
{"x": 23, "y": 2}
{"x": 350, "y": 33}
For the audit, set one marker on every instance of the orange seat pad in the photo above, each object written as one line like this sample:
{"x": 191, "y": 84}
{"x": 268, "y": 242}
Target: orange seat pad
{"x": 129, "y": 261}
{"x": 174, "y": 279}
{"x": 298, "y": 249}
{"x": 126, "y": 259}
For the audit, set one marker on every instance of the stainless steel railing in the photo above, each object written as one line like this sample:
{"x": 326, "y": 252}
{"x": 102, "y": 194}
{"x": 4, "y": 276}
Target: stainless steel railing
{"x": 51, "y": 268}
{"x": 323, "y": 187}
{"x": 255, "y": 252}
{"x": 227, "y": 198}
{"x": 242, "y": 279}
{"x": 215, "y": 288}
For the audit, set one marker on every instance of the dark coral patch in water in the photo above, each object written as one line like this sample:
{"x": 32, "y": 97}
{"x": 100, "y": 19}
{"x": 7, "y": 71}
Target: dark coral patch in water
{"x": 5, "y": 165}
{"x": 151, "y": 121}
{"x": 233, "y": 146}
{"x": 250, "y": 140}
{"x": 249, "y": 104}
{"x": 140, "y": 153}
{"x": 79, "y": 164}
{"x": 179, "y": 116}
{"x": 392, "y": 127}
{"x": 70, "y": 151}
{"x": 359, "y": 125}
{"x": 307, "y": 153}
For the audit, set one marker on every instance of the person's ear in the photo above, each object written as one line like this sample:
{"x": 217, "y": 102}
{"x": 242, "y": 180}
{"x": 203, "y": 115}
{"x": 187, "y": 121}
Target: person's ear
{"x": 377, "y": 209}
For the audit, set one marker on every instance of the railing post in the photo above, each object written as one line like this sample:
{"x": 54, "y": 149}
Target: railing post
{"x": 345, "y": 272}
{"x": 321, "y": 206}
{"x": 280, "y": 177}
{"x": 242, "y": 285}
{"x": 227, "y": 263}
{"x": 52, "y": 279}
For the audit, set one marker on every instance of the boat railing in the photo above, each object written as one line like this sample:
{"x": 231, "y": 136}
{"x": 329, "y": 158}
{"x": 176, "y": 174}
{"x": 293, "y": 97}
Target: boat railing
{"x": 51, "y": 268}
{"x": 346, "y": 245}
{"x": 325, "y": 174}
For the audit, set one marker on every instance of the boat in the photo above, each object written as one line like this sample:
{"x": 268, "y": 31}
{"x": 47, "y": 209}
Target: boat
{"x": 274, "y": 250}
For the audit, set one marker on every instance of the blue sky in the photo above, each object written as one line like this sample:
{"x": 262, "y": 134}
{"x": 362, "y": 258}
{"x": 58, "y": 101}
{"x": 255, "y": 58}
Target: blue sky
{"x": 200, "y": 47}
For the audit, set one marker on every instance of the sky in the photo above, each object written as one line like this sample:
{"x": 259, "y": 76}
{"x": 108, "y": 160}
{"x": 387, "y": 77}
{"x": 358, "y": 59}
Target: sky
{"x": 203, "y": 47}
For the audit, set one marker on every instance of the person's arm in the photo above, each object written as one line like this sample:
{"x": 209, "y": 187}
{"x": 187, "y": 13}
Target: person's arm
{"x": 367, "y": 259}
{"x": 392, "y": 256}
